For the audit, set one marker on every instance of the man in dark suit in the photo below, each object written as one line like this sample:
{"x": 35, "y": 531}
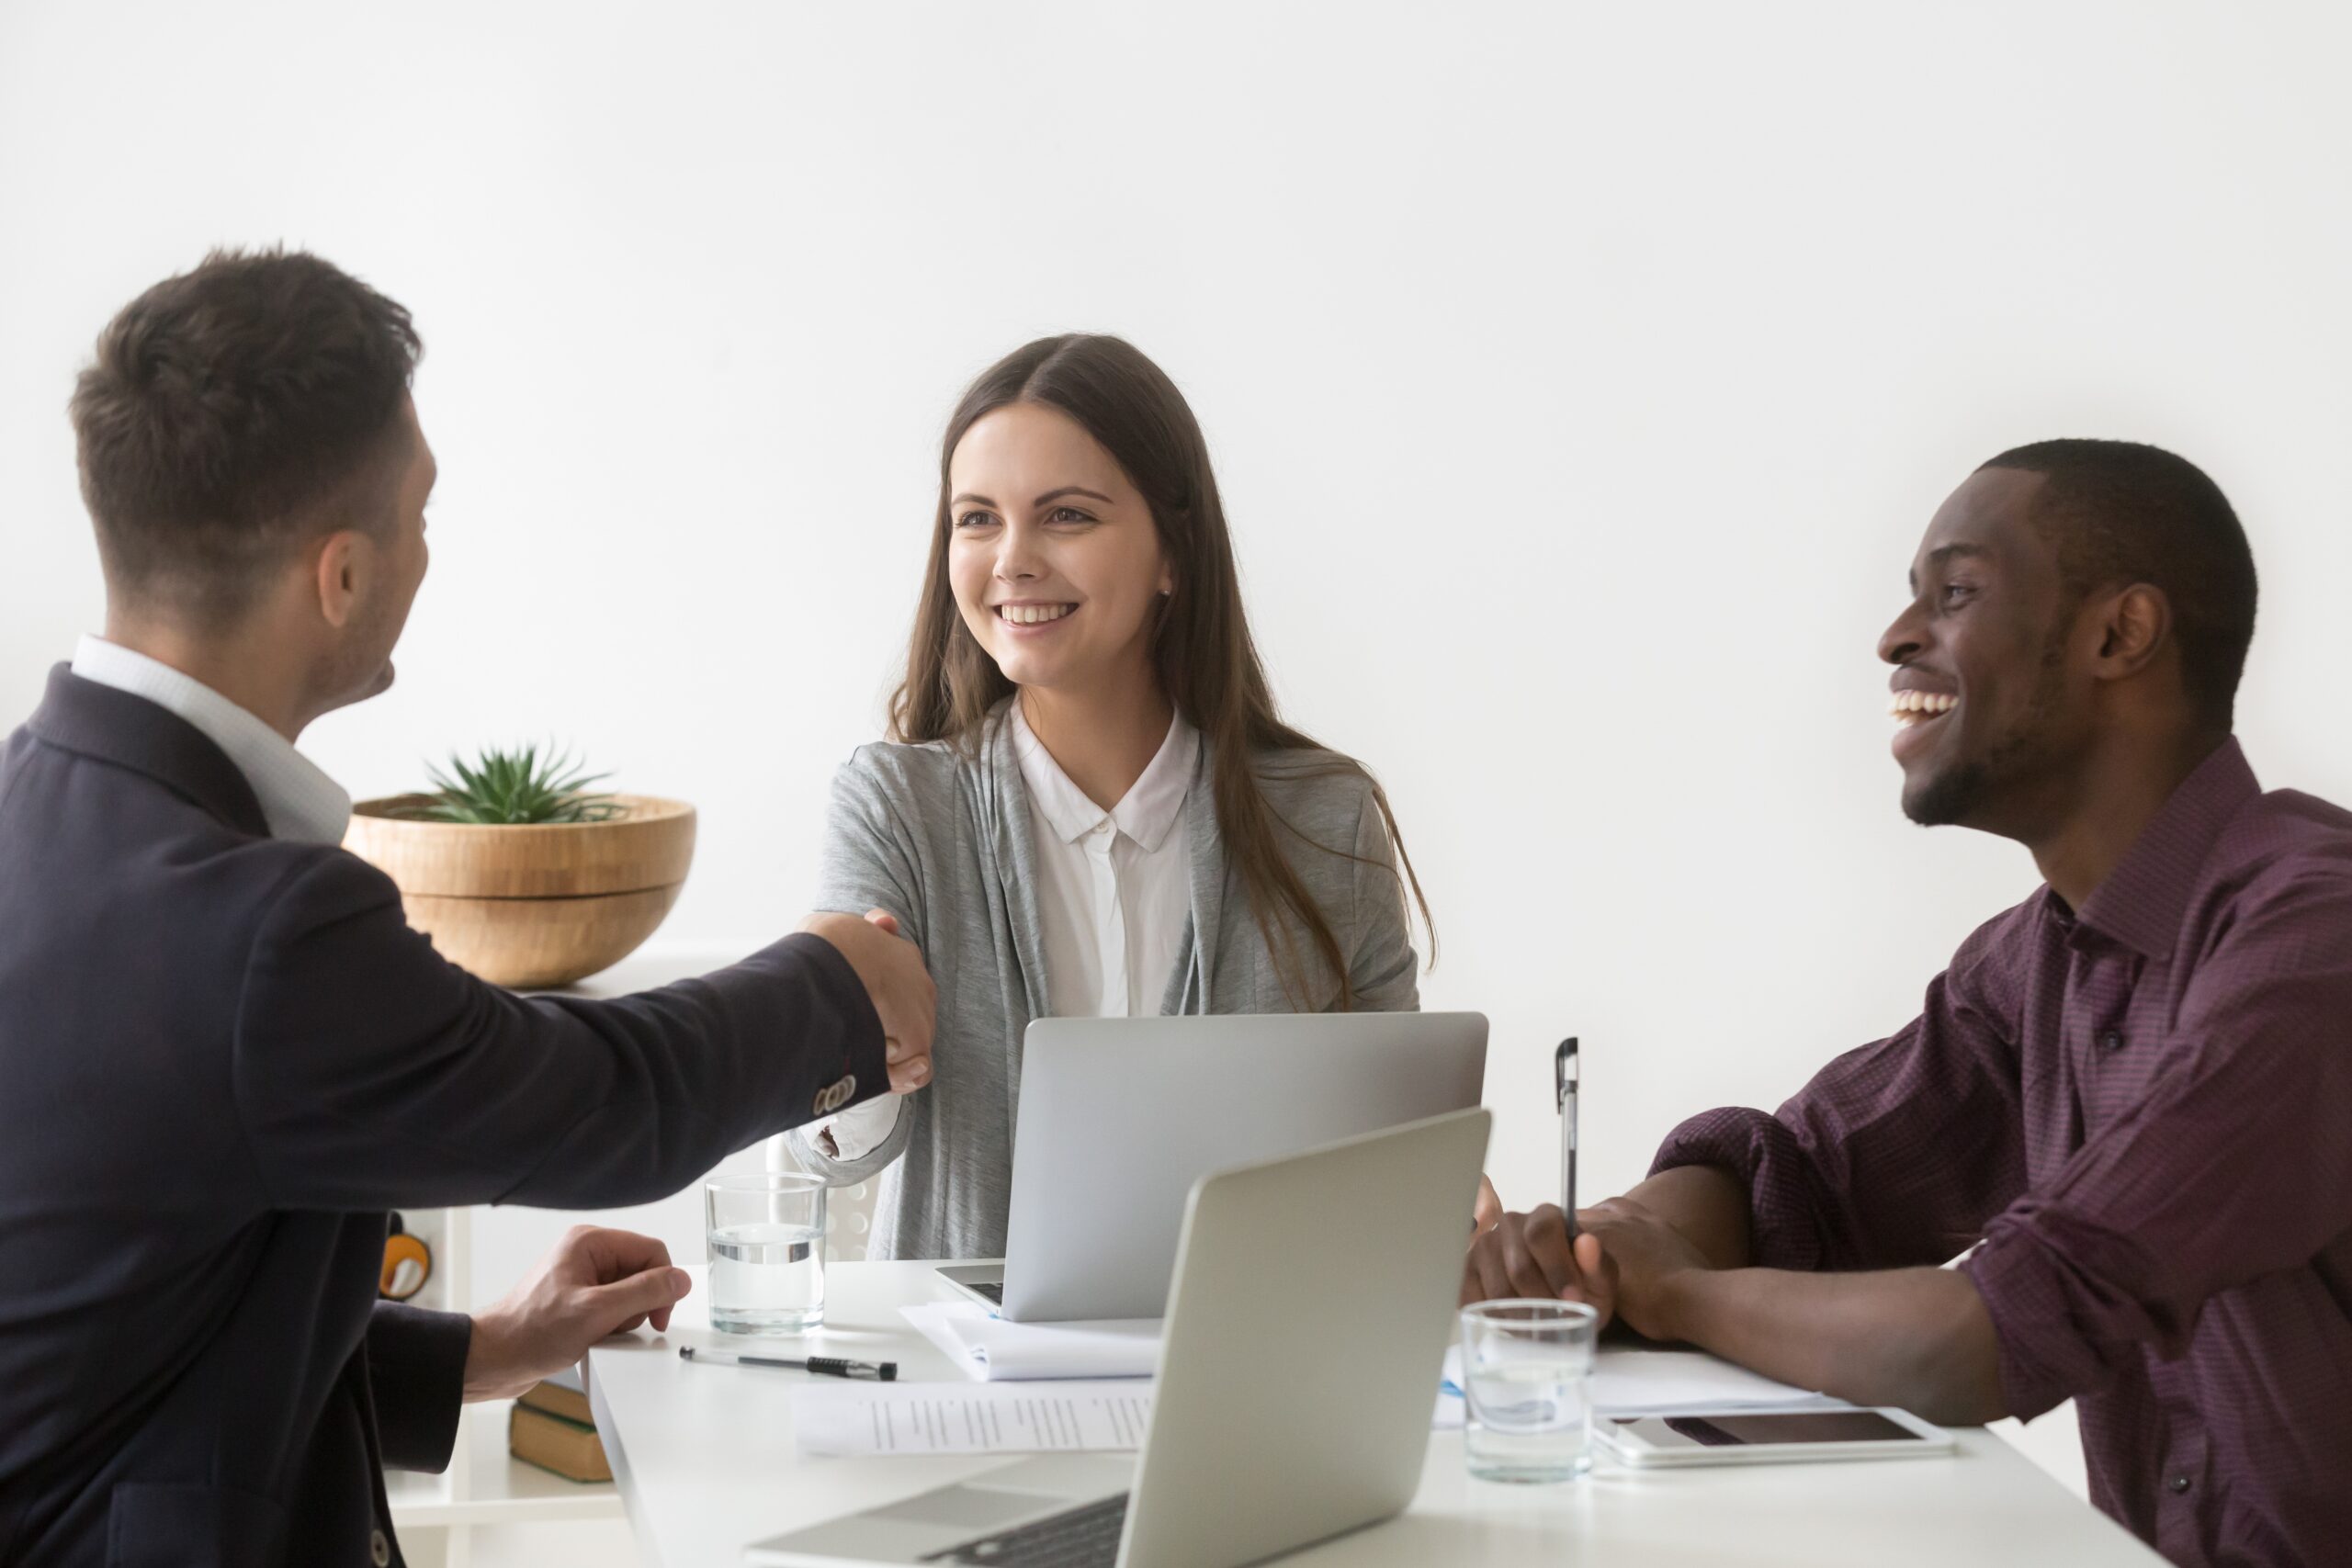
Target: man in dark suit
{"x": 223, "y": 1056}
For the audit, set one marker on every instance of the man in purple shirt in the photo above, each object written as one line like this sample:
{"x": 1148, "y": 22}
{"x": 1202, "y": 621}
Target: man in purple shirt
{"x": 2134, "y": 1089}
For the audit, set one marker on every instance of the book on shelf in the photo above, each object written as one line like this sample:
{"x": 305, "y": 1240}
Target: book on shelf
{"x": 562, "y": 1395}
{"x": 537, "y": 1435}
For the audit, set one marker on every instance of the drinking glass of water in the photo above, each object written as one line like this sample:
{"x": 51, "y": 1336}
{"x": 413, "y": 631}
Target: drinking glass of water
{"x": 767, "y": 1251}
{"x": 1526, "y": 1377}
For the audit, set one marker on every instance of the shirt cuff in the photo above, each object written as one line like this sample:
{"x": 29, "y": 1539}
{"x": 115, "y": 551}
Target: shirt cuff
{"x": 1768, "y": 1160}
{"x": 860, "y": 1130}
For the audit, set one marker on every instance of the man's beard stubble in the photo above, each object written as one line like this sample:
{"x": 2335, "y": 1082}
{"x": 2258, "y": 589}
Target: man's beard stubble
{"x": 1960, "y": 793}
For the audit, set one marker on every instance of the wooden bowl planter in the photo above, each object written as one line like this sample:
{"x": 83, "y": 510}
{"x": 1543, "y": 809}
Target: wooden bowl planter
{"x": 532, "y": 906}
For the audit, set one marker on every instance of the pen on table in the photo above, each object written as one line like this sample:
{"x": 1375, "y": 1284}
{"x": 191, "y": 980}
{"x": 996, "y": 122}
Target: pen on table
{"x": 1564, "y": 1073}
{"x": 823, "y": 1366}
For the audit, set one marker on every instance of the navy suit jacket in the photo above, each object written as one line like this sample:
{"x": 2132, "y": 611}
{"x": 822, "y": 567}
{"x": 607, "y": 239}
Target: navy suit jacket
{"x": 222, "y": 1058}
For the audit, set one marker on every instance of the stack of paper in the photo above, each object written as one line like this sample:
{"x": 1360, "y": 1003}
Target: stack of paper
{"x": 1651, "y": 1382}
{"x": 1655, "y": 1382}
{"x": 956, "y": 1418}
{"x": 992, "y": 1350}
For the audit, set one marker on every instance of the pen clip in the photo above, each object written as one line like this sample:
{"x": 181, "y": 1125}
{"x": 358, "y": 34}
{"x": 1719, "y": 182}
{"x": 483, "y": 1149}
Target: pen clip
{"x": 1564, "y": 1073}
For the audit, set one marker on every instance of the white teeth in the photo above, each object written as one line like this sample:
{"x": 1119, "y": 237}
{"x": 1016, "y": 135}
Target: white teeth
{"x": 1912, "y": 707}
{"x": 1032, "y": 615}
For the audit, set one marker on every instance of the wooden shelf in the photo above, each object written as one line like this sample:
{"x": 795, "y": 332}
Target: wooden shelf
{"x": 486, "y": 1486}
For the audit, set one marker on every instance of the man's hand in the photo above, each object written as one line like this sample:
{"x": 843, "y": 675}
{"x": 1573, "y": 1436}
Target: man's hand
{"x": 891, "y": 969}
{"x": 1640, "y": 1258}
{"x": 1623, "y": 1263}
{"x": 595, "y": 1283}
{"x": 1529, "y": 1256}
{"x": 1487, "y": 1212}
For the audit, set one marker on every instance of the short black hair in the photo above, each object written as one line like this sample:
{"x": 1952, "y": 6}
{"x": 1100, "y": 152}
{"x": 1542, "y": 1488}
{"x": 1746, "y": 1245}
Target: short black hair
{"x": 231, "y": 410}
{"x": 2122, "y": 512}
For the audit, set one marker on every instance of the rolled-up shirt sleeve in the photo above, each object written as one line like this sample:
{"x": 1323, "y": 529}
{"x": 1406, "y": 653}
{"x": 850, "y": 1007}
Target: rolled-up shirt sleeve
{"x": 1896, "y": 1152}
{"x": 2235, "y": 1164}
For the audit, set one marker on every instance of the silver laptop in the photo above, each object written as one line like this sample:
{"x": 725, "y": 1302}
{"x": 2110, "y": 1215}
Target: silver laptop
{"x": 1313, "y": 1299}
{"x": 1119, "y": 1116}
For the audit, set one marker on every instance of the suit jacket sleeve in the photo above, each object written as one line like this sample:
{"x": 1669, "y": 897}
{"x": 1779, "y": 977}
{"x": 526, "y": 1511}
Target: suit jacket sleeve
{"x": 416, "y": 1366}
{"x": 370, "y": 1073}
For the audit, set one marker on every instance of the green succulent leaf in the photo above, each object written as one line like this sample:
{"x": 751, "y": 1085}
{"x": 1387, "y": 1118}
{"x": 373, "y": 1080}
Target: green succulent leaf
{"x": 508, "y": 788}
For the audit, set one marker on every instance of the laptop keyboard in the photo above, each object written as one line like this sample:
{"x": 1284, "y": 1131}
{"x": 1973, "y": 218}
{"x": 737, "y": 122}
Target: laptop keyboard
{"x": 1081, "y": 1537}
{"x": 993, "y": 1290}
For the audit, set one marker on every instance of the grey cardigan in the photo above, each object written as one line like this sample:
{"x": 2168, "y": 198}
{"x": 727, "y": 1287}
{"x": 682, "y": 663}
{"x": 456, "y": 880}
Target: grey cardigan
{"x": 942, "y": 841}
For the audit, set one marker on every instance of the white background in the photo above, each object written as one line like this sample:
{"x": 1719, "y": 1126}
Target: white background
{"x": 1580, "y": 378}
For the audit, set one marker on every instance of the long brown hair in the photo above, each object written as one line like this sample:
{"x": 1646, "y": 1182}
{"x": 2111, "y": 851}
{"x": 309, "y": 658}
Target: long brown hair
{"x": 1201, "y": 644}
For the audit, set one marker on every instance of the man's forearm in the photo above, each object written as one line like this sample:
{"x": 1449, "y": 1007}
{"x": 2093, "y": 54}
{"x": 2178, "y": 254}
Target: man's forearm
{"x": 1917, "y": 1339}
{"x": 1708, "y": 1205}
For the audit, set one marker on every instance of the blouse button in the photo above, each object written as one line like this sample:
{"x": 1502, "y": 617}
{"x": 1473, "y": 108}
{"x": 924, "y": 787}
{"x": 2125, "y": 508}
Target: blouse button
{"x": 2179, "y": 1484}
{"x": 2112, "y": 1040}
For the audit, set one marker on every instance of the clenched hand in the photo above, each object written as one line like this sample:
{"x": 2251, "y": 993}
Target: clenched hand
{"x": 1624, "y": 1262}
{"x": 595, "y": 1283}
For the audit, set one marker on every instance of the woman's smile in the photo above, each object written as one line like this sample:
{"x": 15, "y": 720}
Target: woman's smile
{"x": 1030, "y": 616}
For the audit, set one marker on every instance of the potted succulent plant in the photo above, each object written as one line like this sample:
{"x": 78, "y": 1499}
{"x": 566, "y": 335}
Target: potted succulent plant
{"x": 524, "y": 873}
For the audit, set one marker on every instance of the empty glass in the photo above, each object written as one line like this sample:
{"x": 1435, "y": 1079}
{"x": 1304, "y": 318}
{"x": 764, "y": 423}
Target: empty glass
{"x": 767, "y": 1231}
{"x": 1527, "y": 1379}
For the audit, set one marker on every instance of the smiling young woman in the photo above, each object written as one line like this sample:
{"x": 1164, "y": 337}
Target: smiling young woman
{"x": 1088, "y": 805}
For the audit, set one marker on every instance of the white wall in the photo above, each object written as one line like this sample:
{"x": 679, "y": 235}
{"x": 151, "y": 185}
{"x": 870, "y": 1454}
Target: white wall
{"x": 1580, "y": 379}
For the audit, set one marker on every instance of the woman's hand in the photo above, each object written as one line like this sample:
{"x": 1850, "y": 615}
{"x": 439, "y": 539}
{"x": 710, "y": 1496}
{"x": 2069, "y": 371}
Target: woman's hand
{"x": 892, "y": 970}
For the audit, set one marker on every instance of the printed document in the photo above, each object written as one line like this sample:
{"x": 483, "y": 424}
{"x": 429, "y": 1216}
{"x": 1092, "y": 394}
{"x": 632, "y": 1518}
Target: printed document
{"x": 863, "y": 1418}
{"x": 988, "y": 1348}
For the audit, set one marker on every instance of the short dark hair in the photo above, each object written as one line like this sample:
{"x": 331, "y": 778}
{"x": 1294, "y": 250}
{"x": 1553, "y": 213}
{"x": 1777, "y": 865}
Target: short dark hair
{"x": 2120, "y": 513}
{"x": 230, "y": 414}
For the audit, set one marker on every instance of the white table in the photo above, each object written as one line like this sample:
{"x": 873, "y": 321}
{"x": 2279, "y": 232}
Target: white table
{"x": 706, "y": 1462}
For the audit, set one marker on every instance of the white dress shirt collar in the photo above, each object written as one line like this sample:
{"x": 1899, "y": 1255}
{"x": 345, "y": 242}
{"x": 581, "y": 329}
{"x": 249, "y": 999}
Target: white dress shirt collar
{"x": 1146, "y": 813}
{"x": 298, "y": 801}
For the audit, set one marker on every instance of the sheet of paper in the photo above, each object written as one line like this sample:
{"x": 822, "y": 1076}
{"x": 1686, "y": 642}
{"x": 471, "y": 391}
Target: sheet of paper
{"x": 992, "y": 1350}
{"x": 866, "y": 1419}
{"x": 1628, "y": 1381}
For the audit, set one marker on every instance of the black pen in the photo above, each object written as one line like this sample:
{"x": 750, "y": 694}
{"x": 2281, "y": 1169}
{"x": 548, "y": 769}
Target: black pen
{"x": 1564, "y": 1073}
{"x": 823, "y": 1366}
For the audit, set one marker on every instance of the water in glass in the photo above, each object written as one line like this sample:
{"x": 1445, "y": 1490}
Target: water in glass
{"x": 1529, "y": 1420}
{"x": 1527, "y": 1373}
{"x": 767, "y": 1278}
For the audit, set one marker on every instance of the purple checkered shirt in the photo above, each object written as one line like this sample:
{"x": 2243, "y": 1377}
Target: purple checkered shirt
{"x": 2144, "y": 1111}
